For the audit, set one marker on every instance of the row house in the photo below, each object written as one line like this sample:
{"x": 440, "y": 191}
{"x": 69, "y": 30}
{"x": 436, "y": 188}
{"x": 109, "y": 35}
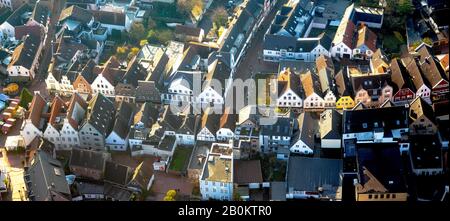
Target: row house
{"x": 293, "y": 19}
{"x": 433, "y": 72}
{"x": 422, "y": 118}
{"x": 125, "y": 90}
{"x": 422, "y": 87}
{"x": 353, "y": 38}
{"x": 326, "y": 72}
{"x": 98, "y": 123}
{"x": 35, "y": 123}
{"x": 70, "y": 130}
{"x": 227, "y": 125}
{"x": 370, "y": 89}
{"x": 281, "y": 48}
{"x": 25, "y": 60}
{"x": 289, "y": 90}
{"x": 242, "y": 29}
{"x": 403, "y": 88}
{"x": 210, "y": 125}
{"x": 343, "y": 90}
{"x": 58, "y": 111}
{"x": 182, "y": 124}
{"x": 313, "y": 94}
{"x": 303, "y": 140}
{"x": 108, "y": 79}
{"x": 117, "y": 140}
{"x": 277, "y": 137}
{"x": 154, "y": 60}
{"x": 19, "y": 17}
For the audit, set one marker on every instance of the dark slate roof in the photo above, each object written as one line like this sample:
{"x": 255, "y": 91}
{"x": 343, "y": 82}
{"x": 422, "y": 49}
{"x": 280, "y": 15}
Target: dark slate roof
{"x": 134, "y": 73}
{"x": 87, "y": 159}
{"x": 100, "y": 113}
{"x": 278, "y": 191}
{"x": 369, "y": 82}
{"x": 211, "y": 120}
{"x": 147, "y": 114}
{"x": 308, "y": 174}
{"x": 44, "y": 176}
{"x": 287, "y": 18}
{"x": 41, "y": 13}
{"x": 221, "y": 72}
{"x": 400, "y": 76}
{"x": 116, "y": 173}
{"x": 425, "y": 151}
{"x": 364, "y": 14}
{"x": 188, "y": 124}
{"x": 430, "y": 67}
{"x": 330, "y": 125}
{"x": 383, "y": 161}
{"x": 147, "y": 91}
{"x": 277, "y": 42}
{"x": 247, "y": 171}
{"x": 76, "y": 13}
{"x": 19, "y": 16}
{"x": 307, "y": 126}
{"x": 117, "y": 193}
{"x": 88, "y": 71}
{"x": 283, "y": 127}
{"x": 123, "y": 119}
{"x": 413, "y": 70}
{"x": 25, "y": 53}
{"x": 388, "y": 118}
{"x": 108, "y": 17}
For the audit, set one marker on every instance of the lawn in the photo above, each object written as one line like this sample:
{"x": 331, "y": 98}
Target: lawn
{"x": 180, "y": 159}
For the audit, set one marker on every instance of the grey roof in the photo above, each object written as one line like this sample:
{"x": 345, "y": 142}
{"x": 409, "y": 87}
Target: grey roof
{"x": 247, "y": 171}
{"x": 198, "y": 156}
{"x": 117, "y": 193}
{"x": 134, "y": 73}
{"x": 147, "y": 91}
{"x": 147, "y": 114}
{"x": 308, "y": 174}
{"x": 383, "y": 161}
{"x": 25, "y": 53}
{"x": 89, "y": 188}
{"x": 41, "y": 13}
{"x": 430, "y": 67}
{"x": 45, "y": 176}
{"x": 167, "y": 143}
{"x": 278, "y": 191}
{"x": 123, "y": 119}
{"x": 277, "y": 42}
{"x": 288, "y": 19}
{"x": 19, "y": 16}
{"x": 116, "y": 173}
{"x": 426, "y": 152}
{"x": 330, "y": 124}
{"x": 189, "y": 124}
{"x": 307, "y": 126}
{"x": 87, "y": 159}
{"x": 283, "y": 127}
{"x": 101, "y": 113}
{"x": 388, "y": 118}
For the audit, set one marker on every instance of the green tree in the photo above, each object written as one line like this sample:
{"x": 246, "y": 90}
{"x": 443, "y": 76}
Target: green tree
{"x": 25, "y": 98}
{"x": 137, "y": 32}
{"x": 405, "y": 7}
{"x": 220, "y": 17}
{"x": 122, "y": 52}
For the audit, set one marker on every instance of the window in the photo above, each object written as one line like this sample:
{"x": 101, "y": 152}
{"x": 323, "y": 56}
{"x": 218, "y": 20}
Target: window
{"x": 370, "y": 196}
{"x": 393, "y": 196}
{"x": 376, "y": 196}
{"x": 388, "y": 196}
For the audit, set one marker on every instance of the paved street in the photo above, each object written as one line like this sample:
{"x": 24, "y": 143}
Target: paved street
{"x": 13, "y": 164}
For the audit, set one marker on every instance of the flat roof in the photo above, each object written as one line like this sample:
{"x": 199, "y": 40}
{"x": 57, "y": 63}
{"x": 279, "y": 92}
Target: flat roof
{"x": 218, "y": 169}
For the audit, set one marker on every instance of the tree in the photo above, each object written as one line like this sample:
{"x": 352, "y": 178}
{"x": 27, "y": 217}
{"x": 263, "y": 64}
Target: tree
{"x": 188, "y": 7}
{"x": 170, "y": 195}
{"x": 164, "y": 36}
{"x": 133, "y": 52}
{"x": 220, "y": 17}
{"x": 151, "y": 24}
{"x": 121, "y": 52}
{"x": 137, "y": 32}
{"x": 405, "y": 7}
{"x": 25, "y": 98}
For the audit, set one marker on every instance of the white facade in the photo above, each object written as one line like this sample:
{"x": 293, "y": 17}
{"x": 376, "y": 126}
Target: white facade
{"x": 340, "y": 50}
{"x": 177, "y": 92}
{"x": 224, "y": 134}
{"x": 102, "y": 85}
{"x": 330, "y": 143}
{"x": 7, "y": 30}
{"x": 283, "y": 54}
{"x": 314, "y": 101}
{"x": 301, "y": 147}
{"x": 209, "y": 95}
{"x": 115, "y": 143}
{"x": 185, "y": 139}
{"x": 69, "y": 136}
{"x": 330, "y": 100}
{"x": 51, "y": 83}
{"x": 205, "y": 135}
{"x": 53, "y": 135}
{"x": 425, "y": 93}
{"x": 216, "y": 190}
{"x": 29, "y": 131}
{"x": 20, "y": 72}
{"x": 289, "y": 99}
{"x": 90, "y": 138}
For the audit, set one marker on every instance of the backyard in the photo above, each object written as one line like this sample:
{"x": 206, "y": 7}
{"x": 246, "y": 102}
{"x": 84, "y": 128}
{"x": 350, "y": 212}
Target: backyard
{"x": 180, "y": 159}
{"x": 273, "y": 169}
{"x": 392, "y": 42}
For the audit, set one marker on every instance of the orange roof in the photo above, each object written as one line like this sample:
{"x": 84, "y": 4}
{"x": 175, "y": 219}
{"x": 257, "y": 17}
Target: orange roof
{"x": 36, "y": 108}
{"x": 366, "y": 37}
{"x": 56, "y": 109}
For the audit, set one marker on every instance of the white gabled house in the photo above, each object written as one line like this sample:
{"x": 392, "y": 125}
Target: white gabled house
{"x": 303, "y": 140}
{"x": 210, "y": 125}
{"x": 70, "y": 128}
{"x": 311, "y": 87}
{"x": 57, "y": 113}
{"x": 117, "y": 140}
{"x": 289, "y": 89}
{"x": 33, "y": 126}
